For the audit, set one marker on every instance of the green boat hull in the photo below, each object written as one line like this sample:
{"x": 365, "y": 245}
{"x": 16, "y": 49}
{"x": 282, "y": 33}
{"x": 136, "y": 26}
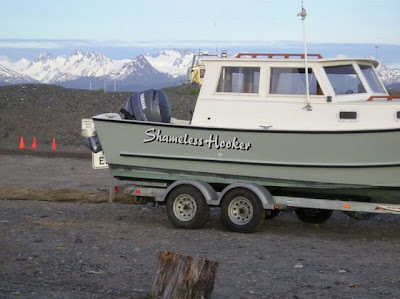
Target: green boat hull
{"x": 334, "y": 164}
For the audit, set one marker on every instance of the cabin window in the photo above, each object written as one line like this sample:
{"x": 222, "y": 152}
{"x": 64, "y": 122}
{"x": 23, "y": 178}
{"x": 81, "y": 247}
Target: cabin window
{"x": 398, "y": 114}
{"x": 239, "y": 80}
{"x": 349, "y": 115}
{"x": 372, "y": 79}
{"x": 293, "y": 81}
{"x": 344, "y": 79}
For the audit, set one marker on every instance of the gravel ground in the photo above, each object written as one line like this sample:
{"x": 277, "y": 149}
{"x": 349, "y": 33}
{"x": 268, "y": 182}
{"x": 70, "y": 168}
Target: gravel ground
{"x": 109, "y": 250}
{"x": 42, "y": 173}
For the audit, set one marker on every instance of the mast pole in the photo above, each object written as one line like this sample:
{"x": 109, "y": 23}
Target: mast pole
{"x": 303, "y": 15}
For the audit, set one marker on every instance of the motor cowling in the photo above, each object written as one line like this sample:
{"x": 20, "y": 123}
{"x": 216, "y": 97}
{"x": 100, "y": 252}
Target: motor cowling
{"x": 93, "y": 143}
{"x": 150, "y": 105}
{"x": 91, "y": 140}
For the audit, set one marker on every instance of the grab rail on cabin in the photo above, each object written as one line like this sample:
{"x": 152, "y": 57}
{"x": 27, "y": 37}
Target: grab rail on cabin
{"x": 388, "y": 98}
{"x": 272, "y": 55}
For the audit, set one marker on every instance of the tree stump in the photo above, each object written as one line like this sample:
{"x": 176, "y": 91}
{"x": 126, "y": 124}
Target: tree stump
{"x": 180, "y": 276}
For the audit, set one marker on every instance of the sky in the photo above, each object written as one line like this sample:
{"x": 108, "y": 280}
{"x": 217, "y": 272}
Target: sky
{"x": 129, "y": 21}
{"x": 123, "y": 29}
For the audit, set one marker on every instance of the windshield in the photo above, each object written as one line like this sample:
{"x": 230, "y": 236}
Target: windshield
{"x": 344, "y": 79}
{"x": 372, "y": 79}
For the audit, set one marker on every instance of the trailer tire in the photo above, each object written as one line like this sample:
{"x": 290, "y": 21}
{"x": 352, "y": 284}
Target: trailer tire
{"x": 241, "y": 210}
{"x": 313, "y": 215}
{"x": 187, "y": 207}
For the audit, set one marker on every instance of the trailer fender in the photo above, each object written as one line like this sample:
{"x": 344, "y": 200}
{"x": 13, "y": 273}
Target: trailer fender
{"x": 209, "y": 193}
{"x": 262, "y": 193}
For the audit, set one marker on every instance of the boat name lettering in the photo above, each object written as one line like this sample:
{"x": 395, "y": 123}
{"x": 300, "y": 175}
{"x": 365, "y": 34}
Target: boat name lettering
{"x": 214, "y": 140}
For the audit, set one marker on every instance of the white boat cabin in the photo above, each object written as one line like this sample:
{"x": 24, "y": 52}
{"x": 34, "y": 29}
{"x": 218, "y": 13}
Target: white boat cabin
{"x": 268, "y": 92}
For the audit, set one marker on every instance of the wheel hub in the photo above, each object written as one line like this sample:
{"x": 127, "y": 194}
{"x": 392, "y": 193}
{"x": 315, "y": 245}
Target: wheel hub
{"x": 240, "y": 211}
{"x": 185, "y": 207}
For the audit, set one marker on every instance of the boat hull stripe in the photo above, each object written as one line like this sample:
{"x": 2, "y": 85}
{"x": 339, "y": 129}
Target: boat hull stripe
{"x": 265, "y": 163}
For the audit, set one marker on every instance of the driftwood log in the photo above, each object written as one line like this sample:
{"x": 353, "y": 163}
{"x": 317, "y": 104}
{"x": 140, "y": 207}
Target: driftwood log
{"x": 180, "y": 276}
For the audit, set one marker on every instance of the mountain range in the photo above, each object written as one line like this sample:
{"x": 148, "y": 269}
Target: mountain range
{"x": 96, "y": 71}
{"x": 390, "y": 77}
{"x": 93, "y": 70}
{"x": 8, "y": 77}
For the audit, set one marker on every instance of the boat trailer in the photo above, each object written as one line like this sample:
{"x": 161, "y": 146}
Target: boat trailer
{"x": 242, "y": 205}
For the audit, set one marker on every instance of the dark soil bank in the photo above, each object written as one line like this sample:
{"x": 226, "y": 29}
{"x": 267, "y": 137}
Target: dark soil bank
{"x": 48, "y": 111}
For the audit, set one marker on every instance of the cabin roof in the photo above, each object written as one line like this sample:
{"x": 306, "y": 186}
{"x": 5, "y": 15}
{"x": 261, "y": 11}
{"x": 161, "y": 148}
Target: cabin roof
{"x": 372, "y": 61}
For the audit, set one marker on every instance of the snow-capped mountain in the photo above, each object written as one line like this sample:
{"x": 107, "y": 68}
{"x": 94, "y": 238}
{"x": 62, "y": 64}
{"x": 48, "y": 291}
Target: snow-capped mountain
{"x": 164, "y": 69}
{"x": 95, "y": 70}
{"x": 142, "y": 74}
{"x": 138, "y": 67}
{"x": 173, "y": 62}
{"x": 8, "y": 76}
{"x": 47, "y": 69}
{"x": 388, "y": 76}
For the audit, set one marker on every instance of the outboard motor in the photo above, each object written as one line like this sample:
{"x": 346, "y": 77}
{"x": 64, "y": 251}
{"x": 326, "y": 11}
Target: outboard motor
{"x": 150, "y": 105}
{"x": 91, "y": 140}
{"x": 93, "y": 143}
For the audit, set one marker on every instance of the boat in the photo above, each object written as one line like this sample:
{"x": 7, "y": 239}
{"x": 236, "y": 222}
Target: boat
{"x": 256, "y": 121}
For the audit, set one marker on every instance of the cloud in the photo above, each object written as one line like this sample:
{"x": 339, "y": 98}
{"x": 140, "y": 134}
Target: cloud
{"x": 29, "y": 44}
{"x": 77, "y": 43}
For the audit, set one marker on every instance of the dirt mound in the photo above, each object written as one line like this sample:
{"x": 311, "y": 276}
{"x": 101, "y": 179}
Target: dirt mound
{"x": 49, "y": 111}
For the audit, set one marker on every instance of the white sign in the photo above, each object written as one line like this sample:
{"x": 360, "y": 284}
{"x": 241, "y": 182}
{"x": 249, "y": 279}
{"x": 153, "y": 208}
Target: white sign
{"x": 87, "y": 123}
{"x": 99, "y": 161}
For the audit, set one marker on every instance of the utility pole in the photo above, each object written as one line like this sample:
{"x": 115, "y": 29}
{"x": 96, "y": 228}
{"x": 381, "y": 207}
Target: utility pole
{"x": 216, "y": 36}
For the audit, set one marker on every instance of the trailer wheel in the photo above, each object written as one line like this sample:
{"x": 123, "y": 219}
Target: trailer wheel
{"x": 187, "y": 207}
{"x": 313, "y": 215}
{"x": 271, "y": 214}
{"x": 241, "y": 210}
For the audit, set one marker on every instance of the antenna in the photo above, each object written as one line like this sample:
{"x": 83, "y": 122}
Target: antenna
{"x": 216, "y": 36}
{"x": 303, "y": 15}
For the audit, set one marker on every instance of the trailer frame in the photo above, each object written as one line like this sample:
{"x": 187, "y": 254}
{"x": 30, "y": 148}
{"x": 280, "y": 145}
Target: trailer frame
{"x": 270, "y": 204}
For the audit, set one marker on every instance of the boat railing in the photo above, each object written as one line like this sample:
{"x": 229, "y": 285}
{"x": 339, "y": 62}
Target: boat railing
{"x": 277, "y": 55}
{"x": 388, "y": 98}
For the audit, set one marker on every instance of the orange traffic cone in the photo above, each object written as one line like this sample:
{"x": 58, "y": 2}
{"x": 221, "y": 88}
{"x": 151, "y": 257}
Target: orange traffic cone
{"x": 22, "y": 143}
{"x": 53, "y": 144}
{"x": 34, "y": 143}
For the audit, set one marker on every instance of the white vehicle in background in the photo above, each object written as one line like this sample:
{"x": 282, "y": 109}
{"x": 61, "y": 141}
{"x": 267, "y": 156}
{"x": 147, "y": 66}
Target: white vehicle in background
{"x": 196, "y": 70}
